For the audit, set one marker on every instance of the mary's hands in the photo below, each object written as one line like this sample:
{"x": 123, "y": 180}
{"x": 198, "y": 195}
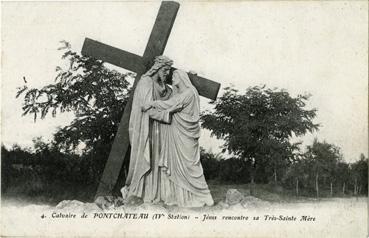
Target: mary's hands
{"x": 146, "y": 107}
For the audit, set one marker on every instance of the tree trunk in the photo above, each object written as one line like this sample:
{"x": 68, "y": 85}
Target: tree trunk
{"x": 343, "y": 188}
{"x": 317, "y": 185}
{"x": 297, "y": 187}
{"x": 252, "y": 185}
{"x": 252, "y": 175}
{"x": 355, "y": 187}
{"x": 331, "y": 189}
{"x": 275, "y": 175}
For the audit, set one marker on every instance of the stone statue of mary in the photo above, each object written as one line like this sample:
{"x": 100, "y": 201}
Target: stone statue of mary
{"x": 182, "y": 182}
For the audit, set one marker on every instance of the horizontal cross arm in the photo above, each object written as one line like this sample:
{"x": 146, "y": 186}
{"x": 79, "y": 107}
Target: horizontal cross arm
{"x": 206, "y": 87}
{"x": 113, "y": 55}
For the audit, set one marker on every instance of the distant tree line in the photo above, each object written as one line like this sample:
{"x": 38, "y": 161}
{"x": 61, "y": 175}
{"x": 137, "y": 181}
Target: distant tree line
{"x": 310, "y": 175}
{"x": 47, "y": 173}
{"x": 53, "y": 175}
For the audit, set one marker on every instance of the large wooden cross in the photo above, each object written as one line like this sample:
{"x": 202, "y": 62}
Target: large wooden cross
{"x": 156, "y": 45}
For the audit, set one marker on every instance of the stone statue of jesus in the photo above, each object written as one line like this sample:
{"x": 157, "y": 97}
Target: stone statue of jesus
{"x": 143, "y": 180}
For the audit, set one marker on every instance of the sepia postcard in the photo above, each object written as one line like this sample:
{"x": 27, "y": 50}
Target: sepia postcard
{"x": 184, "y": 119}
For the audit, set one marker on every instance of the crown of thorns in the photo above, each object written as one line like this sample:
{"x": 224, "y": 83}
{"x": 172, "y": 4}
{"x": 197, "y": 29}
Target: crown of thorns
{"x": 159, "y": 62}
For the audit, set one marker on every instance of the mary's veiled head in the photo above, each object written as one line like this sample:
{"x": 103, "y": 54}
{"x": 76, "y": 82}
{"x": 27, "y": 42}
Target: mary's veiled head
{"x": 181, "y": 77}
{"x": 182, "y": 82}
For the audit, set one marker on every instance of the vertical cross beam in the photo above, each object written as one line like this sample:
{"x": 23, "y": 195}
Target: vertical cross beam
{"x": 156, "y": 45}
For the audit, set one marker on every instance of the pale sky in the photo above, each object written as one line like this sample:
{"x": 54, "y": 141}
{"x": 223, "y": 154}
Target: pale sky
{"x": 314, "y": 46}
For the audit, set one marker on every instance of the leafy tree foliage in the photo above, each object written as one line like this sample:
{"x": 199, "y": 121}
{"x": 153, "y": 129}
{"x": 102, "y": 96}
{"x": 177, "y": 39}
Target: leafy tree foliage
{"x": 322, "y": 171}
{"x": 343, "y": 175}
{"x": 297, "y": 175}
{"x": 257, "y": 125}
{"x": 210, "y": 162}
{"x": 95, "y": 94}
{"x": 359, "y": 175}
{"x": 323, "y": 158}
{"x": 45, "y": 174}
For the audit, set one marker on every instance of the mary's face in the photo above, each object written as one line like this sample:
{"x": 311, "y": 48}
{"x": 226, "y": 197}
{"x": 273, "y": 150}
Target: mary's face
{"x": 175, "y": 79}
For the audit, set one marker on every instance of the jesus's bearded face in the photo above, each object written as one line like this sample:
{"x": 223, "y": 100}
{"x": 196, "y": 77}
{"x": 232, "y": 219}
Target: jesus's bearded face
{"x": 163, "y": 73}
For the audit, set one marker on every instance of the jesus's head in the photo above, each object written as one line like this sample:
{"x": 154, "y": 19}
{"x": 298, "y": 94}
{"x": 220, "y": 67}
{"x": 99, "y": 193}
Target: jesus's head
{"x": 162, "y": 65}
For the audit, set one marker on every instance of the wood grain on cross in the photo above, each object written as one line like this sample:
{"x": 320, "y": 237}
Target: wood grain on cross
{"x": 156, "y": 45}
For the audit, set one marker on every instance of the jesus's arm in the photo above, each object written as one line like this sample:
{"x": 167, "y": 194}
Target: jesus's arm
{"x": 162, "y": 110}
{"x": 164, "y": 115}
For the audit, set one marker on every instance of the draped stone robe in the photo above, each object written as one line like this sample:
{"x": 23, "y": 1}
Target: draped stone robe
{"x": 143, "y": 178}
{"x": 182, "y": 179}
